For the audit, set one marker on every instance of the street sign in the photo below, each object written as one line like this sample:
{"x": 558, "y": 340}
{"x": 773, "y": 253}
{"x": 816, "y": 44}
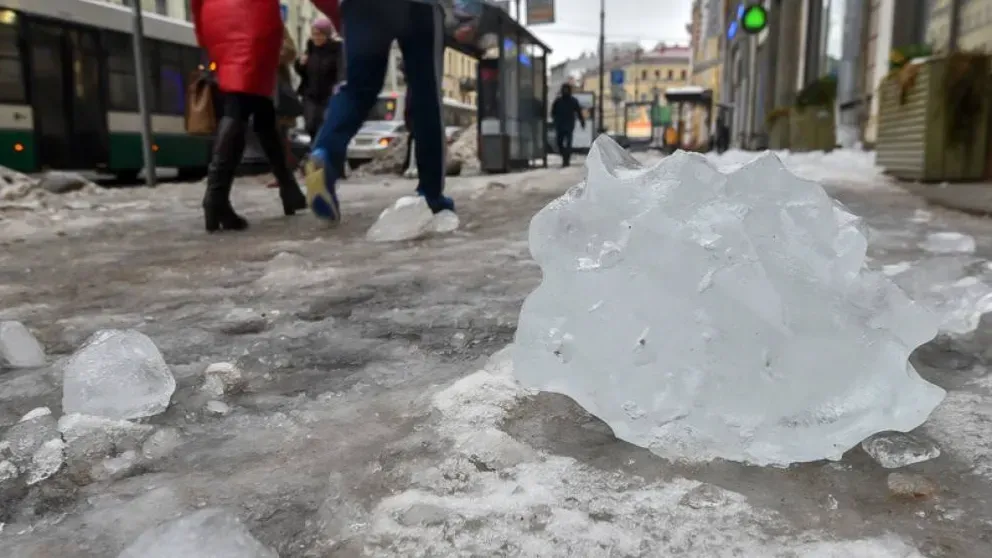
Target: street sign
{"x": 754, "y": 19}
{"x": 616, "y": 77}
{"x": 540, "y": 12}
{"x": 618, "y": 94}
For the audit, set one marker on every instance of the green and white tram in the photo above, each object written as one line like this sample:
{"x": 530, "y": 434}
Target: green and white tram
{"x": 68, "y": 91}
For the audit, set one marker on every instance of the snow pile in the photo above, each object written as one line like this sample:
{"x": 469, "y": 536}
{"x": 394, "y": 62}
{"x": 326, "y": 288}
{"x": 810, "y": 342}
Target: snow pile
{"x": 704, "y": 315}
{"x": 838, "y": 166}
{"x": 389, "y": 161}
{"x": 465, "y": 149}
{"x": 119, "y": 375}
{"x": 19, "y": 348}
{"x": 496, "y": 496}
{"x": 207, "y": 533}
{"x": 20, "y": 191}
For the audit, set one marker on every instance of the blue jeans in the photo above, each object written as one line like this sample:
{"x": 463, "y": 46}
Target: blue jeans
{"x": 369, "y": 30}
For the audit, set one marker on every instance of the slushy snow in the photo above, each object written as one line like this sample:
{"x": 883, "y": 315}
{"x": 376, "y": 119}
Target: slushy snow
{"x": 207, "y": 533}
{"x": 117, "y": 374}
{"x": 704, "y": 315}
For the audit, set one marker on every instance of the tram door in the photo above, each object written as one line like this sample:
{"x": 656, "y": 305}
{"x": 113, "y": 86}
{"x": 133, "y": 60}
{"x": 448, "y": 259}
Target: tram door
{"x": 70, "y": 117}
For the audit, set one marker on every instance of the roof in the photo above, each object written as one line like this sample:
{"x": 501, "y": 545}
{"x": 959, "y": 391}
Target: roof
{"x": 495, "y": 20}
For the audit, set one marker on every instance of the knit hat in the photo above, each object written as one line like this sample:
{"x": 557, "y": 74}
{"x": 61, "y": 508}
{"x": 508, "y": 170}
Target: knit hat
{"x": 323, "y": 25}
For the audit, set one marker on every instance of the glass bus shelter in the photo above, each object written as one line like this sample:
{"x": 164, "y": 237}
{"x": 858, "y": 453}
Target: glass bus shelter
{"x": 512, "y": 93}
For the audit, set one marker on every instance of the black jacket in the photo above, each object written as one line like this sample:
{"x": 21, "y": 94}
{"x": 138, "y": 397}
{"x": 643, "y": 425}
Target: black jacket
{"x": 319, "y": 75}
{"x": 564, "y": 111}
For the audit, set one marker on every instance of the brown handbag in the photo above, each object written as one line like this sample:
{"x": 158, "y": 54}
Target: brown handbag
{"x": 201, "y": 116}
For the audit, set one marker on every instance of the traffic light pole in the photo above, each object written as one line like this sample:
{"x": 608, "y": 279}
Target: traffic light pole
{"x": 602, "y": 64}
{"x": 141, "y": 75}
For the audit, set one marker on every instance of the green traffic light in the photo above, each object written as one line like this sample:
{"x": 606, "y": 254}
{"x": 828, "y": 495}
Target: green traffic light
{"x": 755, "y": 18}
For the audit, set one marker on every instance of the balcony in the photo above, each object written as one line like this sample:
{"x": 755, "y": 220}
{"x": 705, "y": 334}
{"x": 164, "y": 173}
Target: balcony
{"x": 467, "y": 85}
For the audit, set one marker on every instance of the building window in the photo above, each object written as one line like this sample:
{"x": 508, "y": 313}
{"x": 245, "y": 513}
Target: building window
{"x": 187, "y": 4}
{"x": 161, "y": 7}
{"x": 657, "y": 74}
{"x": 671, "y": 75}
{"x": 644, "y": 75}
{"x": 682, "y": 74}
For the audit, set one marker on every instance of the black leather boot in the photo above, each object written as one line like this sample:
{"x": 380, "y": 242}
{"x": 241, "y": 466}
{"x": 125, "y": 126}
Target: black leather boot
{"x": 229, "y": 145}
{"x": 275, "y": 151}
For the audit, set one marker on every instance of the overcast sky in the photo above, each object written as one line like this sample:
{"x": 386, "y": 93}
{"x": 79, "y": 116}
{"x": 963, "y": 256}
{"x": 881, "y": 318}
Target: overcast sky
{"x": 577, "y": 24}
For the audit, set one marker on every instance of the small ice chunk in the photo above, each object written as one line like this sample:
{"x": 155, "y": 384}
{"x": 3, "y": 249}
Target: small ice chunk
{"x": 24, "y": 438}
{"x": 36, "y": 413}
{"x": 949, "y": 243}
{"x": 803, "y": 352}
{"x": 218, "y": 408}
{"x": 19, "y": 348}
{"x": 907, "y": 485}
{"x": 117, "y": 374}
{"x": 90, "y": 438}
{"x": 222, "y": 378}
{"x": 207, "y": 533}
{"x": 241, "y": 321}
{"x": 46, "y": 461}
{"x": 704, "y": 496}
{"x": 445, "y": 222}
{"x": 408, "y": 218}
{"x": 893, "y": 450}
{"x": 161, "y": 444}
{"x": 116, "y": 467}
{"x": 896, "y": 268}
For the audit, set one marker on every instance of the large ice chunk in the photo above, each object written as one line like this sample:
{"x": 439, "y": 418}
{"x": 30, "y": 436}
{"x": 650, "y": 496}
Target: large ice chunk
{"x": 117, "y": 374}
{"x": 705, "y": 315}
{"x": 208, "y": 533}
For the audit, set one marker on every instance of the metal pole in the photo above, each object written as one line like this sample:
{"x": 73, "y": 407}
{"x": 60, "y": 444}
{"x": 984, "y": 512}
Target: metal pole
{"x": 141, "y": 74}
{"x": 602, "y": 61}
{"x": 518, "y": 10}
{"x": 955, "y": 26}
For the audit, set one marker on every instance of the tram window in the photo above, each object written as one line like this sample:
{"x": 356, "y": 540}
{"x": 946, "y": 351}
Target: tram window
{"x": 170, "y": 84}
{"x": 121, "y": 84}
{"x": 11, "y": 78}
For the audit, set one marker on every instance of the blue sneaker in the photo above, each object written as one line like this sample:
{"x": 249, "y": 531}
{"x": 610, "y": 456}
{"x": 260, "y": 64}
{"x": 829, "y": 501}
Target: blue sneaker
{"x": 321, "y": 193}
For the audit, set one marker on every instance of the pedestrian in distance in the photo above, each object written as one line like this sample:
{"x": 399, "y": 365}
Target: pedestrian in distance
{"x": 564, "y": 110}
{"x": 369, "y": 28}
{"x": 288, "y": 105}
{"x": 318, "y": 71}
{"x": 243, "y": 38}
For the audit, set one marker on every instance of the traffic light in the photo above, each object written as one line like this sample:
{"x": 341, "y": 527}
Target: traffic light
{"x": 754, "y": 19}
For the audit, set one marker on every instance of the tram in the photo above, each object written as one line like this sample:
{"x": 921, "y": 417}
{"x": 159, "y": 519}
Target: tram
{"x": 68, "y": 91}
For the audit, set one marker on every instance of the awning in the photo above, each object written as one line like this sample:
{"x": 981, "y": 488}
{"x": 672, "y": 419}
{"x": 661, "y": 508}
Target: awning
{"x": 689, "y": 94}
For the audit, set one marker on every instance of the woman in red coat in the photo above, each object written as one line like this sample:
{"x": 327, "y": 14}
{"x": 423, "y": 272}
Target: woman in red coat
{"x": 243, "y": 37}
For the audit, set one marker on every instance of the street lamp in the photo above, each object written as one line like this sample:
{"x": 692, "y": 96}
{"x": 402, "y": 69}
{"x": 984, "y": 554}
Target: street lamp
{"x": 602, "y": 62}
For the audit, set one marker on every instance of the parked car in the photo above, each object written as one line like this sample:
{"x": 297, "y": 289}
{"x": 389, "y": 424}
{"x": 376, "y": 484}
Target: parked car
{"x": 373, "y": 139}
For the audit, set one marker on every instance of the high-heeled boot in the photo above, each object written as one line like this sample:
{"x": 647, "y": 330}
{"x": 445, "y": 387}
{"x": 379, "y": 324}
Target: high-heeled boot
{"x": 229, "y": 146}
{"x": 275, "y": 151}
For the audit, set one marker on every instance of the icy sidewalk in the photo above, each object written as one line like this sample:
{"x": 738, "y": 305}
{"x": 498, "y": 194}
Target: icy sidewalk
{"x": 351, "y": 353}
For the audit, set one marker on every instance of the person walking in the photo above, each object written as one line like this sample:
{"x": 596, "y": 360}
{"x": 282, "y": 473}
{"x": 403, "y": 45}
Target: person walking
{"x": 564, "y": 111}
{"x": 288, "y": 105}
{"x": 243, "y": 37}
{"x": 318, "y": 71}
{"x": 369, "y": 28}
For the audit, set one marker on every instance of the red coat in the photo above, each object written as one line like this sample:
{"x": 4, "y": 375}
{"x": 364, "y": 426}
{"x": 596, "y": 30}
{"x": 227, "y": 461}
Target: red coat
{"x": 243, "y": 38}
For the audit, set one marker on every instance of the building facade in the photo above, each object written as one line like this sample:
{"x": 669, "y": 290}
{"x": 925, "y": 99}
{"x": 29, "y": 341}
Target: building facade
{"x": 646, "y": 77}
{"x": 706, "y": 67}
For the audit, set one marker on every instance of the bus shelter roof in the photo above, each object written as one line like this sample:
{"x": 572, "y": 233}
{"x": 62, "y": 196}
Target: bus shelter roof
{"x": 496, "y": 23}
